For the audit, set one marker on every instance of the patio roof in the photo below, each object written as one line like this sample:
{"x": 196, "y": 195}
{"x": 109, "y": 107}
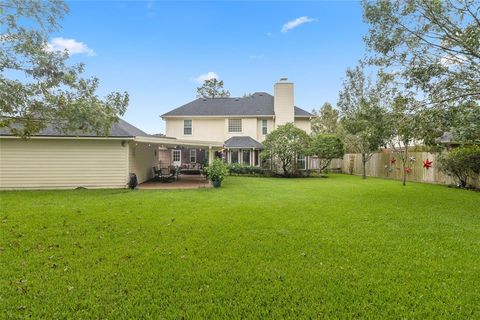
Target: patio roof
{"x": 172, "y": 142}
{"x": 243, "y": 142}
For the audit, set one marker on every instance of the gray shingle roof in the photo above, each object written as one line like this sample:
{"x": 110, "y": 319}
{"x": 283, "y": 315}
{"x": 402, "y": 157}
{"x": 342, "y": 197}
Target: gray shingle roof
{"x": 257, "y": 104}
{"x": 120, "y": 129}
{"x": 242, "y": 142}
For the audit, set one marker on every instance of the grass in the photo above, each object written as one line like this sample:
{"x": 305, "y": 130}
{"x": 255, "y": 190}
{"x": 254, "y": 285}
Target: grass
{"x": 338, "y": 247}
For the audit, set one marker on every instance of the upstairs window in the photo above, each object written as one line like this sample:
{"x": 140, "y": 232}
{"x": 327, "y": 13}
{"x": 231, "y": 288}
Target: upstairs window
{"x": 234, "y": 125}
{"x": 187, "y": 127}
{"x": 264, "y": 127}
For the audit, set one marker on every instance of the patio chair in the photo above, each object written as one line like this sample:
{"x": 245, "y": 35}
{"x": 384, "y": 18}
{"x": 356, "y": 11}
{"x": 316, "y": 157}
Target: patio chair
{"x": 166, "y": 175}
{"x": 156, "y": 173}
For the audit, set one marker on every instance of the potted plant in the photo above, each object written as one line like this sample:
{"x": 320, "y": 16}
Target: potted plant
{"x": 216, "y": 172}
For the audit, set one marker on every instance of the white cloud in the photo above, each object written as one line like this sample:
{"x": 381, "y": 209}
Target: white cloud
{"x": 295, "y": 23}
{"x": 71, "y": 45}
{"x": 206, "y": 76}
{"x": 256, "y": 56}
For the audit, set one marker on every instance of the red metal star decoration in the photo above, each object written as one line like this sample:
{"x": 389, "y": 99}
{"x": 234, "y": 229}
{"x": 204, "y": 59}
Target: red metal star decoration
{"x": 427, "y": 164}
{"x": 393, "y": 160}
{"x": 408, "y": 170}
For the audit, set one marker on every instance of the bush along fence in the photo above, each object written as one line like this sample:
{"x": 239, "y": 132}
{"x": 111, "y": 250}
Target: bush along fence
{"x": 421, "y": 167}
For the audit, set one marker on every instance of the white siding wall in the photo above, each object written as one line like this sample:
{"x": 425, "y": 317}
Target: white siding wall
{"x": 62, "y": 163}
{"x": 142, "y": 158}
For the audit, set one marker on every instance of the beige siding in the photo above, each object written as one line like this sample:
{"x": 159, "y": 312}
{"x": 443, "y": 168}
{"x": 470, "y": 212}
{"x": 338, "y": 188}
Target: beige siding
{"x": 204, "y": 129}
{"x": 283, "y": 103}
{"x": 303, "y": 124}
{"x": 142, "y": 158}
{"x": 62, "y": 163}
{"x": 270, "y": 128}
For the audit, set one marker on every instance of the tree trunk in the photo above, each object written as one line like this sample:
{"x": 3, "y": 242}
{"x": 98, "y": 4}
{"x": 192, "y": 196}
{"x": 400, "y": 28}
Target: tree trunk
{"x": 404, "y": 161}
{"x": 364, "y": 166}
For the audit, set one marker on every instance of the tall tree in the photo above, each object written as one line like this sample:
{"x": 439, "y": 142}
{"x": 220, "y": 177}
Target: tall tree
{"x": 325, "y": 120}
{"x": 430, "y": 45}
{"x": 363, "y": 125}
{"x": 212, "y": 88}
{"x": 37, "y": 86}
{"x": 284, "y": 144}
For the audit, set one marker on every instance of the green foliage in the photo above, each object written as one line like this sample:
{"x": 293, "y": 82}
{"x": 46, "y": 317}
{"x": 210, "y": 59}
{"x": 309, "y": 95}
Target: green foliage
{"x": 217, "y": 170}
{"x": 212, "y": 88}
{"x": 242, "y": 169}
{"x": 284, "y": 144}
{"x": 325, "y": 120}
{"x": 37, "y": 86}
{"x": 364, "y": 249}
{"x": 326, "y": 147}
{"x": 465, "y": 123}
{"x": 432, "y": 47}
{"x": 462, "y": 163}
{"x": 363, "y": 127}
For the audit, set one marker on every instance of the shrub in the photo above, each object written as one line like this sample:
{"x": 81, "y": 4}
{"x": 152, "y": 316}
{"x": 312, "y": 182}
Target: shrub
{"x": 462, "y": 163}
{"x": 217, "y": 170}
{"x": 236, "y": 168}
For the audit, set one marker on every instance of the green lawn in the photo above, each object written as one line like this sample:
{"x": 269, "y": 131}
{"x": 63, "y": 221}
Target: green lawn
{"x": 338, "y": 247}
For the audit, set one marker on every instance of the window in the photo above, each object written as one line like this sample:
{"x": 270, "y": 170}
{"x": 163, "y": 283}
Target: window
{"x": 176, "y": 155}
{"x": 234, "y": 125}
{"x": 234, "y": 156}
{"x": 246, "y": 156}
{"x": 193, "y": 155}
{"x": 301, "y": 162}
{"x": 187, "y": 127}
{"x": 264, "y": 127}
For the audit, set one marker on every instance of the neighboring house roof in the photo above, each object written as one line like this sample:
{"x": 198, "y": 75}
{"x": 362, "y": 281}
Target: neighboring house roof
{"x": 257, "y": 104}
{"x": 120, "y": 129}
{"x": 242, "y": 142}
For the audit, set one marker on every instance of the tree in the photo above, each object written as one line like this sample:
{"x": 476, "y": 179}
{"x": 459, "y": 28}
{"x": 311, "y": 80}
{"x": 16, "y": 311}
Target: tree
{"x": 284, "y": 144}
{"x": 325, "y": 120}
{"x": 37, "y": 87}
{"x": 326, "y": 147}
{"x": 462, "y": 163}
{"x": 212, "y": 88}
{"x": 363, "y": 128}
{"x": 432, "y": 46}
{"x": 464, "y": 122}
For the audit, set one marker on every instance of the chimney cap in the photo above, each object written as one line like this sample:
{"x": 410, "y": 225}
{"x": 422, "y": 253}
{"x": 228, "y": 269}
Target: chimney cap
{"x": 283, "y": 79}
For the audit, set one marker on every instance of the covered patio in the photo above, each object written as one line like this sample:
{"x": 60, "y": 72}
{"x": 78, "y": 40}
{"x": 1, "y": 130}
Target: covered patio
{"x": 162, "y": 162}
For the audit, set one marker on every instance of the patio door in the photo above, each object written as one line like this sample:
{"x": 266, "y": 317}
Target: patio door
{"x": 177, "y": 157}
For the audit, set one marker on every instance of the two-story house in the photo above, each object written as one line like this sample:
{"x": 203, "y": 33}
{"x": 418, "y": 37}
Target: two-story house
{"x": 241, "y": 124}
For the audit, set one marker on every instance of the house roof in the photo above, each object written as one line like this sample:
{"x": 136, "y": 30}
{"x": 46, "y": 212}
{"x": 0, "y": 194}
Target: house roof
{"x": 257, "y": 104}
{"x": 242, "y": 142}
{"x": 120, "y": 129}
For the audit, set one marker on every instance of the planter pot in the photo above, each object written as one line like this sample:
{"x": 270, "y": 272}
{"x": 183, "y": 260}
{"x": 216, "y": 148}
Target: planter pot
{"x": 216, "y": 183}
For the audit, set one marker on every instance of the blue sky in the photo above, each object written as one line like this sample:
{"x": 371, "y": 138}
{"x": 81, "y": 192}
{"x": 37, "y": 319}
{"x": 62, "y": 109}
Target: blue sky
{"x": 157, "y": 50}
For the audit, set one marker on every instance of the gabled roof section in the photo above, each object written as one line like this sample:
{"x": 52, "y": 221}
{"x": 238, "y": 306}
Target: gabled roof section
{"x": 242, "y": 142}
{"x": 257, "y": 104}
{"x": 120, "y": 129}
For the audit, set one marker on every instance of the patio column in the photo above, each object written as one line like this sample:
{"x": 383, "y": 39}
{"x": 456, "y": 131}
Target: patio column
{"x": 210, "y": 155}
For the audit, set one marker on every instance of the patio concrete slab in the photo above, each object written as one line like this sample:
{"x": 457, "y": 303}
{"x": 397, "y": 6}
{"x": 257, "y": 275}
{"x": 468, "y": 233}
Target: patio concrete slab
{"x": 183, "y": 182}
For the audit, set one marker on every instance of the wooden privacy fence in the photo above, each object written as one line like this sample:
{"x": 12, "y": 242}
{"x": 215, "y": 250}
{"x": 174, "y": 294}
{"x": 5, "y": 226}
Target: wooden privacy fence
{"x": 381, "y": 165}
